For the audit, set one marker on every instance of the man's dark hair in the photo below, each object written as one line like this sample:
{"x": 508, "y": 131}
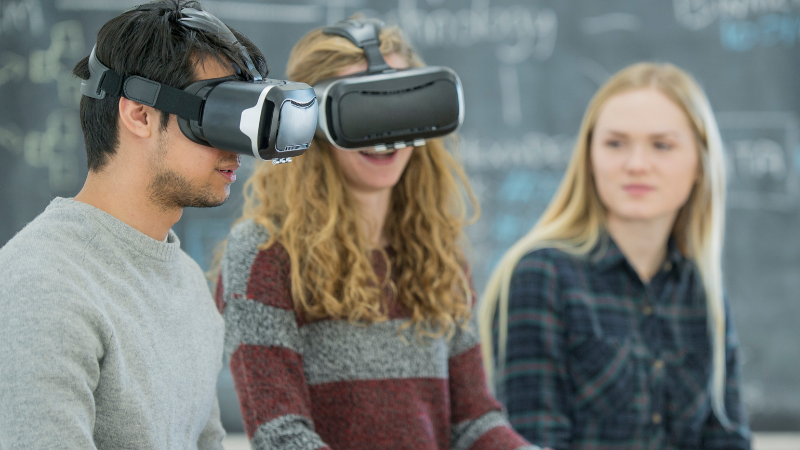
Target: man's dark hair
{"x": 152, "y": 43}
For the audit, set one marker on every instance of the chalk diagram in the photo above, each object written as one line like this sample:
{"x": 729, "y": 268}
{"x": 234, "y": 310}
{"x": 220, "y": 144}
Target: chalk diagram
{"x": 745, "y": 24}
{"x": 761, "y": 149}
{"x": 55, "y": 144}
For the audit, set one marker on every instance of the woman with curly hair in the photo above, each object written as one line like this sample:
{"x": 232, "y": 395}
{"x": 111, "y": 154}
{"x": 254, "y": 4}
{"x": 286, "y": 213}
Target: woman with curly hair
{"x": 346, "y": 293}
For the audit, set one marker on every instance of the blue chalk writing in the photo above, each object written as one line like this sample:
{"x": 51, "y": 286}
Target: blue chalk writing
{"x": 506, "y": 228}
{"x": 765, "y": 31}
{"x": 521, "y": 186}
{"x": 517, "y": 187}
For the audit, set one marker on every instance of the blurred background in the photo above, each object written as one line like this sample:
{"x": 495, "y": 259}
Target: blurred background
{"x": 529, "y": 68}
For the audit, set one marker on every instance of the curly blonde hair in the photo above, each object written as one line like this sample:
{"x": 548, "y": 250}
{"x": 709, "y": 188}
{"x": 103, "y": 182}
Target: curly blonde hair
{"x": 307, "y": 209}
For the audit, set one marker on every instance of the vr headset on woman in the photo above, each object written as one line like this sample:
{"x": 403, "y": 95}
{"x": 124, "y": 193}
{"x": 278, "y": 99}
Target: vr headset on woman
{"x": 386, "y": 108}
{"x": 265, "y": 118}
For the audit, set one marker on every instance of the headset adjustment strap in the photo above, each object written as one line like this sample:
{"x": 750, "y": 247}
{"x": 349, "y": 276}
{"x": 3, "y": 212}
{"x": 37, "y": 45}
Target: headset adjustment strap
{"x": 364, "y": 34}
{"x": 103, "y": 81}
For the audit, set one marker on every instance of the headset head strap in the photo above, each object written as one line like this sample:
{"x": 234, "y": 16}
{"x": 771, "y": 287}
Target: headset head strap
{"x": 364, "y": 34}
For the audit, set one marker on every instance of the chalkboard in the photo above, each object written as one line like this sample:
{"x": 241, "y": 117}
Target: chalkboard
{"x": 529, "y": 69}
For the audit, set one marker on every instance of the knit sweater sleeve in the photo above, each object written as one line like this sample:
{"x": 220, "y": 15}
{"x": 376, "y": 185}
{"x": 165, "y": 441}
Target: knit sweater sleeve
{"x": 478, "y": 420}
{"x": 263, "y": 343}
{"x": 53, "y": 345}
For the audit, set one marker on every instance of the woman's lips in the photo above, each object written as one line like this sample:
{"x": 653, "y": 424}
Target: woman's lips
{"x": 638, "y": 189}
{"x": 379, "y": 159}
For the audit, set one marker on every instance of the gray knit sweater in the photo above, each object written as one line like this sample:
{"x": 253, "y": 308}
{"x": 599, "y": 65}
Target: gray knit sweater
{"x": 109, "y": 339}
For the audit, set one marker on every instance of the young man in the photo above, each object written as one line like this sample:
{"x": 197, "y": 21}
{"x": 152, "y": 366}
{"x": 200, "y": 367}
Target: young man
{"x": 110, "y": 337}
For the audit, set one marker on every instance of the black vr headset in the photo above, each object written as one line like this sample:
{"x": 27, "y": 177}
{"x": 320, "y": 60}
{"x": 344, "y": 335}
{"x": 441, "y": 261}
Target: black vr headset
{"x": 269, "y": 119}
{"x": 383, "y": 107}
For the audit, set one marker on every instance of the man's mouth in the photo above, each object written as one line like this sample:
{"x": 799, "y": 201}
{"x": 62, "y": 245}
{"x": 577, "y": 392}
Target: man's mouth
{"x": 230, "y": 174}
{"x": 229, "y": 167}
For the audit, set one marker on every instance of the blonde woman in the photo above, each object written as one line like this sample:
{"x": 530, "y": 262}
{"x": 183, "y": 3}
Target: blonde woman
{"x": 608, "y": 318}
{"x": 346, "y": 297}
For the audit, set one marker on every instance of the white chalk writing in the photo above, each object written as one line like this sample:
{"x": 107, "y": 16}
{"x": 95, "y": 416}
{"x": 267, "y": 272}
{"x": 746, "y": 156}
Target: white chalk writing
{"x": 534, "y": 150}
{"x": 25, "y": 15}
{"x": 698, "y": 14}
{"x": 55, "y": 149}
{"x": 520, "y": 32}
{"x": 13, "y": 67}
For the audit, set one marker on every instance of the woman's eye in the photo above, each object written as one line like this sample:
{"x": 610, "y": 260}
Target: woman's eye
{"x": 662, "y": 145}
{"x": 614, "y": 143}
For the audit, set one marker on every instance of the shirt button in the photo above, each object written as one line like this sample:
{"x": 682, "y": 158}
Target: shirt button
{"x": 656, "y": 418}
{"x": 667, "y": 266}
{"x": 658, "y": 364}
{"x": 647, "y": 310}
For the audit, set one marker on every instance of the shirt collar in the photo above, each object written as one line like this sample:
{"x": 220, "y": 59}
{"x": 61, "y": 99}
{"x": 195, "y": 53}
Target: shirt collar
{"x": 607, "y": 255}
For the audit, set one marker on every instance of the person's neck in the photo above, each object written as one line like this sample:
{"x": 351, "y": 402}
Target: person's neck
{"x": 123, "y": 193}
{"x": 373, "y": 207}
{"x": 644, "y": 243}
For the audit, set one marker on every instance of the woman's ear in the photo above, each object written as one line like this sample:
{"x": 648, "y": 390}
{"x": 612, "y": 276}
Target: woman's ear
{"x": 137, "y": 118}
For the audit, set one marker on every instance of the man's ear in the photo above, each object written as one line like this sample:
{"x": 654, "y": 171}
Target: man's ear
{"x": 137, "y": 118}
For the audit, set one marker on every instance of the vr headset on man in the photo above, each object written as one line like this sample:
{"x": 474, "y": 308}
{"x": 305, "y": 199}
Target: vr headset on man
{"x": 386, "y": 108}
{"x": 265, "y": 118}
{"x": 382, "y": 108}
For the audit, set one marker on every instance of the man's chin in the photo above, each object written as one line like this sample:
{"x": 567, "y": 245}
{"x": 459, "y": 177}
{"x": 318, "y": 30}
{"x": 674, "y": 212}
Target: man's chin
{"x": 171, "y": 190}
{"x": 207, "y": 202}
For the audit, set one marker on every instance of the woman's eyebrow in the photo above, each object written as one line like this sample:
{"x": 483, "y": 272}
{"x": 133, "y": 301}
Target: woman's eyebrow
{"x": 668, "y": 133}
{"x": 657, "y": 134}
{"x": 616, "y": 133}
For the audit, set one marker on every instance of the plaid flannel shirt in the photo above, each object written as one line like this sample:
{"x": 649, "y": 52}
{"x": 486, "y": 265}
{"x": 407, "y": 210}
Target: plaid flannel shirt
{"x": 596, "y": 359}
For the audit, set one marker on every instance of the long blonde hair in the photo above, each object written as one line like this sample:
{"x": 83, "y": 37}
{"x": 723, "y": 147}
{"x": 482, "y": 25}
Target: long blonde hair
{"x": 575, "y": 218}
{"x": 307, "y": 209}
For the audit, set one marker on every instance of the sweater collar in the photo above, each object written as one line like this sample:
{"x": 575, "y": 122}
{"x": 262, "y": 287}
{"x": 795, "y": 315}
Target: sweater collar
{"x": 134, "y": 239}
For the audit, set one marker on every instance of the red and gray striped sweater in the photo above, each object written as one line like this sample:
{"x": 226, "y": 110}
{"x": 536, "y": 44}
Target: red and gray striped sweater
{"x": 334, "y": 384}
